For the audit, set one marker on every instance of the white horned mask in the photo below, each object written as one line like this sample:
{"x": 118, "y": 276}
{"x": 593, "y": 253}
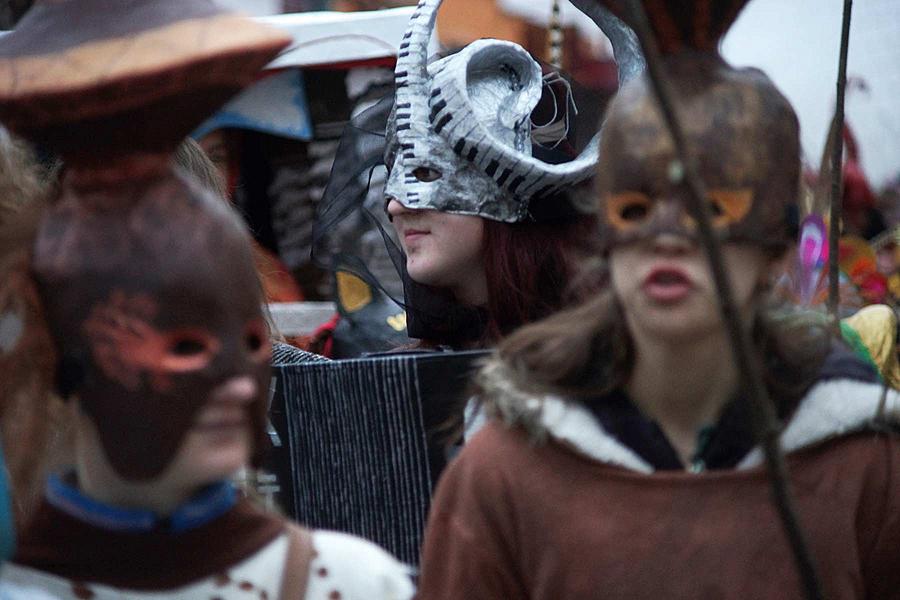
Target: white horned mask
{"x": 459, "y": 136}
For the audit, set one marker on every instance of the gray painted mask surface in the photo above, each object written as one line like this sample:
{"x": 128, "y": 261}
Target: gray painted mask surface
{"x": 459, "y": 137}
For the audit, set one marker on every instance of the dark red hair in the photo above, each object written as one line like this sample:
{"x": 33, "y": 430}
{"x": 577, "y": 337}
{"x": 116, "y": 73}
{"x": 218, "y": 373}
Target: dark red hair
{"x": 528, "y": 267}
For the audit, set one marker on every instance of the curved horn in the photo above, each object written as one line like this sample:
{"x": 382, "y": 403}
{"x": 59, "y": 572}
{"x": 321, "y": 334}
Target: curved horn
{"x": 453, "y": 116}
{"x": 411, "y": 73}
{"x": 520, "y": 175}
{"x": 625, "y": 44}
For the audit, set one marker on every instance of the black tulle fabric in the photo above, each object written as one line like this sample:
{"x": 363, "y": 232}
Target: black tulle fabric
{"x": 432, "y": 315}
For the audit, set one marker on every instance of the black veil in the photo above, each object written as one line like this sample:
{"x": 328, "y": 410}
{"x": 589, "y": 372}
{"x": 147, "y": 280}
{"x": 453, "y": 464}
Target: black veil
{"x": 352, "y": 213}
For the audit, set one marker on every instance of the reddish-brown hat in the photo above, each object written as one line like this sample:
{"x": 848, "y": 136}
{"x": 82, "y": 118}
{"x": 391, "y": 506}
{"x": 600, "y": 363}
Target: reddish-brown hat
{"x": 93, "y": 78}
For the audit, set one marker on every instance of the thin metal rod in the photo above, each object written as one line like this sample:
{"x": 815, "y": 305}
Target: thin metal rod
{"x": 837, "y": 159}
{"x": 765, "y": 418}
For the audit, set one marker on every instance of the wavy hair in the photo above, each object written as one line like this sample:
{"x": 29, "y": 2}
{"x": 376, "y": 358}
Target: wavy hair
{"x": 586, "y": 351}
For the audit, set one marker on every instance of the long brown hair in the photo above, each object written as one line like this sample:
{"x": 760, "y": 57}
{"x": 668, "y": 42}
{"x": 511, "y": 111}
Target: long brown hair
{"x": 529, "y": 267}
{"x": 32, "y": 424}
{"x": 587, "y": 351}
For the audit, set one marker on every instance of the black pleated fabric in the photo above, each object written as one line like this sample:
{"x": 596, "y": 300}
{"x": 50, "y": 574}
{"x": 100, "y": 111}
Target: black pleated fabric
{"x": 358, "y": 438}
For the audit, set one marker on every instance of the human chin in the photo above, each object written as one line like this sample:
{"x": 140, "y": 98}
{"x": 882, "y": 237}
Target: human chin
{"x": 672, "y": 323}
{"x": 424, "y": 268}
{"x": 212, "y": 454}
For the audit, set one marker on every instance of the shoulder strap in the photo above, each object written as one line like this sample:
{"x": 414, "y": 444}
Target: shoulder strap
{"x": 300, "y": 553}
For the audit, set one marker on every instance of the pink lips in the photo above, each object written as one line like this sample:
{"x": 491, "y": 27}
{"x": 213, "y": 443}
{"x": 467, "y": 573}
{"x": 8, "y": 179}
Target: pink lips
{"x": 414, "y": 234}
{"x": 667, "y": 284}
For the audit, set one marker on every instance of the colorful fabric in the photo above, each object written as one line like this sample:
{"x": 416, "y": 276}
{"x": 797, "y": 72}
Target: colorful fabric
{"x": 872, "y": 332}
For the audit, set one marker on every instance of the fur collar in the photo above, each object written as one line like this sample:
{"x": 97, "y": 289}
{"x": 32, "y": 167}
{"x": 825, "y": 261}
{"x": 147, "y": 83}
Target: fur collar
{"x": 832, "y": 408}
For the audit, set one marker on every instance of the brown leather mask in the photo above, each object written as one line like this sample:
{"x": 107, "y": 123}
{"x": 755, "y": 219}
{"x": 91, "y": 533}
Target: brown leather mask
{"x": 153, "y": 305}
{"x": 147, "y": 280}
{"x": 744, "y": 138}
{"x": 743, "y": 134}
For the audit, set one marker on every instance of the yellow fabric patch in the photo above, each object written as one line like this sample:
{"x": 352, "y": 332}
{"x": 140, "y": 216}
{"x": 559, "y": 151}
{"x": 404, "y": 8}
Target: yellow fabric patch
{"x": 353, "y": 292}
{"x": 398, "y": 321}
{"x": 877, "y": 327}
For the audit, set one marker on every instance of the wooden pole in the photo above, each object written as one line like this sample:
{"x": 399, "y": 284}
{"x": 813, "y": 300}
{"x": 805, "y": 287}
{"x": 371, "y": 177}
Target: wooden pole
{"x": 837, "y": 160}
{"x": 765, "y": 418}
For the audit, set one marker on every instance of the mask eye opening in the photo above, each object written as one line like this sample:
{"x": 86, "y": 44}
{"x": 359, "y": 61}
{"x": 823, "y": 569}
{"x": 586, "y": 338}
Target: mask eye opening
{"x": 256, "y": 339}
{"x": 729, "y": 206}
{"x": 186, "y": 345}
{"x": 426, "y": 174}
{"x": 628, "y": 210}
{"x": 188, "y": 350}
{"x": 634, "y": 212}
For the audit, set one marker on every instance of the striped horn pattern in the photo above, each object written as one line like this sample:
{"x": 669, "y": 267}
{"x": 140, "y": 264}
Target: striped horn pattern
{"x": 409, "y": 130}
{"x": 455, "y": 115}
{"x": 460, "y": 132}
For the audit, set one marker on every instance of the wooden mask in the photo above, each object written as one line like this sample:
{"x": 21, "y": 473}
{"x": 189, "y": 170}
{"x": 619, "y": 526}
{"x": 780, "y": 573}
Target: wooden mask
{"x": 743, "y": 134}
{"x": 147, "y": 280}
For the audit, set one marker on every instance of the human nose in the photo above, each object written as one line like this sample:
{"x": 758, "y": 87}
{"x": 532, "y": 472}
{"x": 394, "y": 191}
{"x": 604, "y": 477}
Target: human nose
{"x": 671, "y": 243}
{"x": 394, "y": 208}
{"x": 236, "y": 390}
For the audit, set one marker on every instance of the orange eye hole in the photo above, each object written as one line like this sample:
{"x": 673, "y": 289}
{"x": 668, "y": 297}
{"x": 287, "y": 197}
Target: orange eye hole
{"x": 628, "y": 210}
{"x": 729, "y": 206}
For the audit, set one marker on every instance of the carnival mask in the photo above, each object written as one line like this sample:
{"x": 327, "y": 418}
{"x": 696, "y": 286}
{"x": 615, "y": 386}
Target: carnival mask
{"x": 459, "y": 138}
{"x": 153, "y": 306}
{"x": 742, "y": 134}
{"x": 146, "y": 279}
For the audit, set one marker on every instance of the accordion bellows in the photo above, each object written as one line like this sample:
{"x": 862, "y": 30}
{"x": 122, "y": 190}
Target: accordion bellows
{"x": 359, "y": 441}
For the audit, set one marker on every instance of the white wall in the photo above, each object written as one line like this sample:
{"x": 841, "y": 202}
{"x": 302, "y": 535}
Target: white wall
{"x": 796, "y": 42}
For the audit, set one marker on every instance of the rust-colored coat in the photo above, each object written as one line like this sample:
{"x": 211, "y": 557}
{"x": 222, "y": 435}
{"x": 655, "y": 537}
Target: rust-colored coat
{"x": 513, "y": 519}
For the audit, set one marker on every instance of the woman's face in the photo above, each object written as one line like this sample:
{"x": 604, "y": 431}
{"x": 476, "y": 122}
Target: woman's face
{"x": 666, "y": 289}
{"x": 442, "y": 249}
{"x": 217, "y": 444}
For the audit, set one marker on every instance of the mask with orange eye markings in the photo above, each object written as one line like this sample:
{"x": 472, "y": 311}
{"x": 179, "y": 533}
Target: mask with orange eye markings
{"x": 634, "y": 215}
{"x": 151, "y": 309}
{"x": 744, "y": 138}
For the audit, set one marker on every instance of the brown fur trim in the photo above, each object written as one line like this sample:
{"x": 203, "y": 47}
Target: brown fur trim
{"x": 504, "y": 398}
